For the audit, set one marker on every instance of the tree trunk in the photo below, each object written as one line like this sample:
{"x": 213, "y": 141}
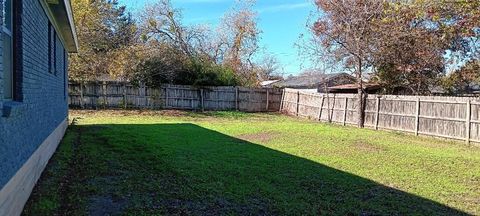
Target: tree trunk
{"x": 328, "y": 102}
{"x": 360, "y": 95}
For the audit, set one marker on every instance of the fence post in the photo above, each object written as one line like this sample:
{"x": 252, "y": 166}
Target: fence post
{"x": 143, "y": 95}
{"x": 321, "y": 108}
{"x": 468, "y": 125}
{"x": 345, "y": 112}
{"x": 417, "y": 117}
{"x": 331, "y": 111}
{"x": 298, "y": 103}
{"x": 201, "y": 100}
{"x": 268, "y": 99}
{"x": 377, "y": 113}
{"x": 282, "y": 100}
{"x": 191, "y": 102}
{"x": 82, "y": 103}
{"x": 125, "y": 95}
{"x": 135, "y": 98}
{"x": 104, "y": 90}
{"x": 237, "y": 103}
{"x": 166, "y": 96}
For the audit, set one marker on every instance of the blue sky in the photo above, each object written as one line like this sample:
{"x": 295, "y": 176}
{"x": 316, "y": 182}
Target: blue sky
{"x": 281, "y": 22}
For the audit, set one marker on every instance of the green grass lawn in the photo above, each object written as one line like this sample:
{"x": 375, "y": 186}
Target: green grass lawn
{"x": 228, "y": 163}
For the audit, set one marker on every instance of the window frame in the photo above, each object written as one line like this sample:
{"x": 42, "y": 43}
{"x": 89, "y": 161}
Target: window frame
{"x": 54, "y": 48}
{"x": 53, "y": 51}
{"x": 9, "y": 34}
{"x": 49, "y": 50}
{"x": 65, "y": 74}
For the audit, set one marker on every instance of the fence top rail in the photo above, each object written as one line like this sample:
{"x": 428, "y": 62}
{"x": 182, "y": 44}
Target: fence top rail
{"x": 444, "y": 102}
{"x": 411, "y": 98}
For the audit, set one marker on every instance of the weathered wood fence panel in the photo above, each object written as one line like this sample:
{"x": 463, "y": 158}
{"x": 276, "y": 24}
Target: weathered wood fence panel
{"x": 123, "y": 95}
{"x": 448, "y": 117}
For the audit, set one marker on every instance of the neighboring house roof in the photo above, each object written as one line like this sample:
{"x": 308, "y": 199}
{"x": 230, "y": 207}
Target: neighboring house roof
{"x": 268, "y": 82}
{"x": 474, "y": 88}
{"x": 370, "y": 86}
{"x": 61, "y": 15}
{"x": 309, "y": 80}
{"x": 471, "y": 88}
{"x": 353, "y": 88}
{"x": 437, "y": 90}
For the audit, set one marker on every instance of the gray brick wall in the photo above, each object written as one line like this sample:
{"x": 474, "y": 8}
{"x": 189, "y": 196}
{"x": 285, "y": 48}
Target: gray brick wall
{"x": 43, "y": 106}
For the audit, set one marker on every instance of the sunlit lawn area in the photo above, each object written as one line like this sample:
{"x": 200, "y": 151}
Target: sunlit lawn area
{"x": 228, "y": 163}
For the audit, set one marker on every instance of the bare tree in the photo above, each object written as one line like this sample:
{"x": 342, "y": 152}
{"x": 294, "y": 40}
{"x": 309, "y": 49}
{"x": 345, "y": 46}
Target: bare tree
{"x": 239, "y": 36}
{"x": 162, "y": 22}
{"x": 268, "y": 68}
{"x": 345, "y": 28}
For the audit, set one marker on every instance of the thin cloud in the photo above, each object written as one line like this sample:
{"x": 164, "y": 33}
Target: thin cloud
{"x": 284, "y": 7}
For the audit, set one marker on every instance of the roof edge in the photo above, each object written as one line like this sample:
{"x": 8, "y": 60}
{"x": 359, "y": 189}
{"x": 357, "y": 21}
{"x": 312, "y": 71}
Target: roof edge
{"x": 71, "y": 21}
{"x": 60, "y": 14}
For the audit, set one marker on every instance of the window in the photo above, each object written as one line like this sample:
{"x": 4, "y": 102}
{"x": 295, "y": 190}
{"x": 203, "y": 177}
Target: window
{"x": 54, "y": 51}
{"x": 54, "y": 48}
{"x": 65, "y": 86}
{"x": 7, "y": 34}
{"x": 58, "y": 56}
{"x": 51, "y": 49}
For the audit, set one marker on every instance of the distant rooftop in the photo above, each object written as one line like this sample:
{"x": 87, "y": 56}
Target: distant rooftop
{"x": 268, "y": 82}
{"x": 355, "y": 86}
{"x": 308, "y": 81}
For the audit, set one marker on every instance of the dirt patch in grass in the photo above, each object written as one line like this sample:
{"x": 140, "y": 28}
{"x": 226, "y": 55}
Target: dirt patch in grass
{"x": 100, "y": 206}
{"x": 216, "y": 206}
{"x": 260, "y": 137}
{"x": 364, "y": 146}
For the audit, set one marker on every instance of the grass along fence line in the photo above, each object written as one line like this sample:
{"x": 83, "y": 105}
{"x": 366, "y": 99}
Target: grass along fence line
{"x": 125, "y": 95}
{"x": 447, "y": 117}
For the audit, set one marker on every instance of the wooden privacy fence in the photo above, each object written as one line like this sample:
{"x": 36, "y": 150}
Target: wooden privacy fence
{"x": 124, "y": 95}
{"x": 447, "y": 117}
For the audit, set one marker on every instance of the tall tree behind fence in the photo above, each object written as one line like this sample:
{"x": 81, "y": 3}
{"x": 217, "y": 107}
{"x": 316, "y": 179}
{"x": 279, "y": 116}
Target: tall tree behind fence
{"x": 124, "y": 95}
{"x": 448, "y": 117}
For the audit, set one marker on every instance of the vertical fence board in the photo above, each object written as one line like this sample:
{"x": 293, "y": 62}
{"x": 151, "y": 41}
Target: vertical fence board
{"x": 417, "y": 116}
{"x": 468, "y": 125}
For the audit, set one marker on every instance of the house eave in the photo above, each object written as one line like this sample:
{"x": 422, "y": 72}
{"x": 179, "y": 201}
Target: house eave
{"x": 61, "y": 16}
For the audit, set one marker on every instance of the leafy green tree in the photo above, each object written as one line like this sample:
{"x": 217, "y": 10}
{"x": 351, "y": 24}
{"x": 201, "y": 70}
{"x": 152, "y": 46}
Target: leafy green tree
{"x": 105, "y": 32}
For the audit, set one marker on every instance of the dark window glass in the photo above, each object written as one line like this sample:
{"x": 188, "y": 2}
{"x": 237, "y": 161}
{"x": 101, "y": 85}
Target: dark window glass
{"x": 52, "y": 50}
{"x": 50, "y": 68}
{"x": 54, "y": 41}
{"x": 7, "y": 35}
{"x": 65, "y": 81}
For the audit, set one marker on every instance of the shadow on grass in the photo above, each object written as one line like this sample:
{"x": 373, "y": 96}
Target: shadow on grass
{"x": 187, "y": 169}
